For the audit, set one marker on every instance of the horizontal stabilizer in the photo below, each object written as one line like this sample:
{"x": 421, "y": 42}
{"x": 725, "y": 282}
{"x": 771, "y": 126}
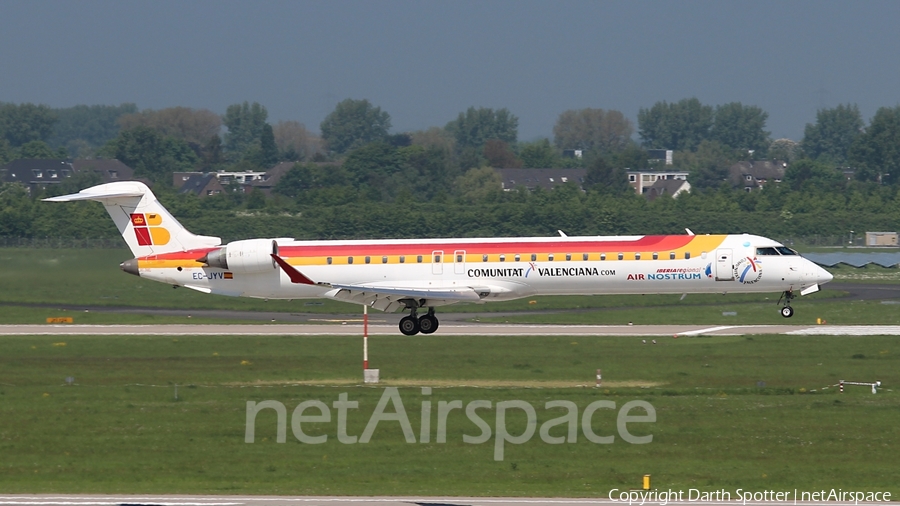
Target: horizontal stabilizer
{"x": 85, "y": 195}
{"x": 144, "y": 223}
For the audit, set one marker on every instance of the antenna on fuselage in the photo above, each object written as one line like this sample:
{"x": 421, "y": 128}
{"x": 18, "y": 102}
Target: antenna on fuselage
{"x": 688, "y": 231}
{"x": 562, "y": 234}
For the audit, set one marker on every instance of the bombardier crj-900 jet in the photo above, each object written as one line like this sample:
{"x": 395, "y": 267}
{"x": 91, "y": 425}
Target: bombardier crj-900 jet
{"x": 414, "y": 275}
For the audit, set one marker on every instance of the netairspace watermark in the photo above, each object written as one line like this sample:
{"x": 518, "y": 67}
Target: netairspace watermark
{"x": 499, "y": 432}
{"x": 743, "y": 497}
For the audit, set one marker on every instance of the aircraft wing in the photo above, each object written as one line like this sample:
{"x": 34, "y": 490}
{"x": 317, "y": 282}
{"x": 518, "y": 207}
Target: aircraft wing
{"x": 385, "y": 298}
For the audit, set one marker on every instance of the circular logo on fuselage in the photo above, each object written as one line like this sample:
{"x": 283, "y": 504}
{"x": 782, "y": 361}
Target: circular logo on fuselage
{"x": 747, "y": 270}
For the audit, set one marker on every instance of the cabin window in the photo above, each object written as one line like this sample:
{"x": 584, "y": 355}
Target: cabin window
{"x": 419, "y": 259}
{"x": 459, "y": 258}
{"x": 671, "y": 255}
{"x": 518, "y": 258}
{"x": 687, "y": 255}
{"x": 502, "y": 258}
{"x": 328, "y": 260}
{"x": 349, "y": 260}
{"x": 437, "y": 259}
{"x": 621, "y": 256}
{"x": 402, "y": 259}
{"x": 568, "y": 257}
{"x": 484, "y": 258}
{"x": 368, "y": 260}
{"x": 703, "y": 254}
{"x": 534, "y": 257}
{"x": 655, "y": 255}
{"x": 637, "y": 256}
{"x": 602, "y": 256}
{"x": 550, "y": 257}
{"x": 584, "y": 257}
{"x": 384, "y": 260}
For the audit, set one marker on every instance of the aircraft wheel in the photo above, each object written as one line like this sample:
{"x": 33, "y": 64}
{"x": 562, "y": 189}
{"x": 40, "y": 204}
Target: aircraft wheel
{"x": 409, "y": 325}
{"x": 787, "y": 311}
{"x": 428, "y": 324}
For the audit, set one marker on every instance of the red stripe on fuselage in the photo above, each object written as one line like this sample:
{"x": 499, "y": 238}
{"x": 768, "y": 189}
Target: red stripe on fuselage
{"x": 646, "y": 243}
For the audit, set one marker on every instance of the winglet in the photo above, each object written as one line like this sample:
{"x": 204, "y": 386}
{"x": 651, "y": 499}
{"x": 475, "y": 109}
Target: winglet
{"x": 295, "y": 275}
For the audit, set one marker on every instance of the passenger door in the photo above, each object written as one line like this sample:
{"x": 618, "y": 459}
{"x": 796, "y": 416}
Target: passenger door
{"x": 724, "y": 265}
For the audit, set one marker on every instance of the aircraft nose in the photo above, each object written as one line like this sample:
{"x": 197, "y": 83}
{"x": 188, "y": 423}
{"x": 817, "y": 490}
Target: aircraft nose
{"x": 823, "y": 276}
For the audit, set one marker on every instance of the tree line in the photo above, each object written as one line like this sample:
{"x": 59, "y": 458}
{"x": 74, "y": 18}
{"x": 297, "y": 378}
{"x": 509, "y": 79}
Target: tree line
{"x": 439, "y": 181}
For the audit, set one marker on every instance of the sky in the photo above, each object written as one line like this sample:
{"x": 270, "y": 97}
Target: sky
{"x": 424, "y": 62}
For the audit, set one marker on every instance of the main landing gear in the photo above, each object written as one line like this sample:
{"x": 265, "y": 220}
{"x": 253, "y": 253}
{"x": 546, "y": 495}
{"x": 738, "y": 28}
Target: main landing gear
{"x": 413, "y": 324}
{"x": 787, "y": 311}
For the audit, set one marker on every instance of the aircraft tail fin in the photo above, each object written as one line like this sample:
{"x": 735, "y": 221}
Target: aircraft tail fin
{"x": 144, "y": 223}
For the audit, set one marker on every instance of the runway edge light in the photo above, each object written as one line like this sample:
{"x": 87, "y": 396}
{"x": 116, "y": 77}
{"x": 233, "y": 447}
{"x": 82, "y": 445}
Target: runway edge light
{"x": 646, "y": 482}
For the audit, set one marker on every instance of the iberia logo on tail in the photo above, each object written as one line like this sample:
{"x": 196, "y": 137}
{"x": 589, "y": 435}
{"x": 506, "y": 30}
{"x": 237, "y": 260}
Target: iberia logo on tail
{"x": 147, "y": 229}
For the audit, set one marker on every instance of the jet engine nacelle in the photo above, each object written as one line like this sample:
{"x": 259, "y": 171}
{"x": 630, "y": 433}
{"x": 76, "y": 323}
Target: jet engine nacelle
{"x": 244, "y": 257}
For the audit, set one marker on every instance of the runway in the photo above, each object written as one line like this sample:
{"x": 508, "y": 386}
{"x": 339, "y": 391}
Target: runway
{"x": 186, "y": 500}
{"x": 445, "y": 330}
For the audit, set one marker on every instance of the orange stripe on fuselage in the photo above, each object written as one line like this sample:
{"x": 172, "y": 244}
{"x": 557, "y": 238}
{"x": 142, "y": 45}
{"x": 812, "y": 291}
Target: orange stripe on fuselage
{"x": 315, "y": 254}
{"x": 646, "y": 243}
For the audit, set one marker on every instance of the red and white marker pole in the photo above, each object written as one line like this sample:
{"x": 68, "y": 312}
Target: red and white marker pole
{"x": 365, "y": 337}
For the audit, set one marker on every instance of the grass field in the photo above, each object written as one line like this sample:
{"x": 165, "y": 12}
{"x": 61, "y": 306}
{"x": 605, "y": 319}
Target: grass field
{"x": 120, "y": 429}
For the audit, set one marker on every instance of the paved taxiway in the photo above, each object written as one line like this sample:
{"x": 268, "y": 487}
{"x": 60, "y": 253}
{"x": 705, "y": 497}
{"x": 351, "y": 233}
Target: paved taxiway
{"x": 182, "y": 500}
{"x": 356, "y": 329}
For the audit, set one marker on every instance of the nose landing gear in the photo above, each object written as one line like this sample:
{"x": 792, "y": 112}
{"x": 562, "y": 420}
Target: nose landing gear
{"x": 787, "y": 311}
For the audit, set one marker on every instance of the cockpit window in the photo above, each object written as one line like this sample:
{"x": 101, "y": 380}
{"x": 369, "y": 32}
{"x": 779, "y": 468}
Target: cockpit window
{"x": 766, "y": 251}
{"x": 784, "y": 250}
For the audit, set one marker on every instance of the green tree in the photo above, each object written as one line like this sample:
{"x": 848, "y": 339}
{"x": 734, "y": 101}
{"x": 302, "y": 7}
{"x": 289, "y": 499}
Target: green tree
{"x": 192, "y": 125}
{"x": 678, "y": 126}
{"x": 24, "y": 123}
{"x": 632, "y": 157}
{"x": 84, "y": 128}
{"x": 809, "y": 174}
{"x": 479, "y": 185}
{"x": 833, "y": 134}
{"x": 7, "y": 153}
{"x": 212, "y": 156}
{"x": 538, "y": 154}
{"x": 354, "y": 123}
{"x": 256, "y": 199}
{"x": 877, "y": 152}
{"x": 740, "y": 126}
{"x": 268, "y": 149}
{"x": 785, "y": 149}
{"x": 473, "y": 128}
{"x": 39, "y": 150}
{"x": 593, "y": 130}
{"x": 709, "y": 165}
{"x": 151, "y": 154}
{"x": 16, "y": 211}
{"x": 245, "y": 124}
{"x": 602, "y": 177}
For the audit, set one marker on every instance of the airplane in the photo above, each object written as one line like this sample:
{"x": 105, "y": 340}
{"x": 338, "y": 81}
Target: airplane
{"x": 416, "y": 274}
